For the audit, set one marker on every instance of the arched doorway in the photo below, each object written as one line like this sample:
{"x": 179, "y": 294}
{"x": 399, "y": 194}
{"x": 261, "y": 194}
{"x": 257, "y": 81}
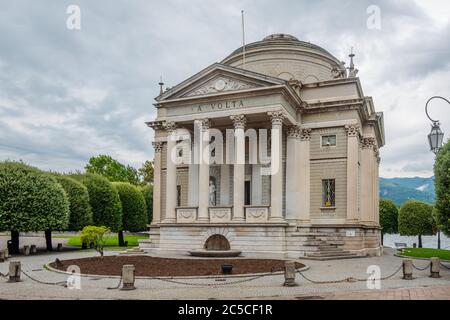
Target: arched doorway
{"x": 217, "y": 242}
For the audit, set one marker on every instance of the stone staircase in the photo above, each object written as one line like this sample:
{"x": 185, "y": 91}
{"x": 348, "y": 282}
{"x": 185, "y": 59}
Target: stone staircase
{"x": 136, "y": 251}
{"x": 322, "y": 246}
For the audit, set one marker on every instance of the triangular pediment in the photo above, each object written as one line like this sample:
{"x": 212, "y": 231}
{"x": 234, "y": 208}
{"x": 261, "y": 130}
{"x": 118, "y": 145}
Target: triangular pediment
{"x": 216, "y": 79}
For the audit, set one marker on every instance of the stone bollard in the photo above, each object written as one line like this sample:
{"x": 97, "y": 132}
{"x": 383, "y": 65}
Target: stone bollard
{"x": 26, "y": 250}
{"x": 435, "y": 267}
{"x": 128, "y": 277}
{"x": 407, "y": 269}
{"x": 289, "y": 274}
{"x": 14, "y": 271}
{"x": 59, "y": 247}
{"x": 2, "y": 255}
{"x": 6, "y": 254}
{"x": 33, "y": 249}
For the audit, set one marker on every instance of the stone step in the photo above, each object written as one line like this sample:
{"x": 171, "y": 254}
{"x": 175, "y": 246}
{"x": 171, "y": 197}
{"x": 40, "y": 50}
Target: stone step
{"x": 328, "y": 253}
{"x": 326, "y": 258}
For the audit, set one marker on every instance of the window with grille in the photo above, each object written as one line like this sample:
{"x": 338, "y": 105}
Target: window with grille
{"x": 329, "y": 141}
{"x": 179, "y": 196}
{"x": 328, "y": 193}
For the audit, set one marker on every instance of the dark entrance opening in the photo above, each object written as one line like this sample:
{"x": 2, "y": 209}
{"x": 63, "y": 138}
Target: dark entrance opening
{"x": 217, "y": 242}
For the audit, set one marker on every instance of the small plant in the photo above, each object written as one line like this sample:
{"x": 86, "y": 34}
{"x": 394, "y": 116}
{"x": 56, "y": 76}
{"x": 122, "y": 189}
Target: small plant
{"x": 95, "y": 235}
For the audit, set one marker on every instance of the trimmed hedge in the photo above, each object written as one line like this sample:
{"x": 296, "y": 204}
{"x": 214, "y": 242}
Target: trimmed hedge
{"x": 134, "y": 217}
{"x": 80, "y": 209}
{"x": 104, "y": 200}
{"x": 31, "y": 200}
{"x": 147, "y": 192}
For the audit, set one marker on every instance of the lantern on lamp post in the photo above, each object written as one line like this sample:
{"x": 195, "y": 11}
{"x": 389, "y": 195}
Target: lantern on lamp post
{"x": 435, "y": 139}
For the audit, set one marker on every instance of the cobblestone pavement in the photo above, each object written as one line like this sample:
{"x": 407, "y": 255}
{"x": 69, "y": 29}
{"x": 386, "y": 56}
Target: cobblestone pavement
{"x": 266, "y": 287}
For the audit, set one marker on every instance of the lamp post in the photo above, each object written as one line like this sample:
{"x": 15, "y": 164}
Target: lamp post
{"x": 435, "y": 139}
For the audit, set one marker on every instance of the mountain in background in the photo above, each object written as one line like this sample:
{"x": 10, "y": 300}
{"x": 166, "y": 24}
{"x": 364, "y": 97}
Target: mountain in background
{"x": 400, "y": 190}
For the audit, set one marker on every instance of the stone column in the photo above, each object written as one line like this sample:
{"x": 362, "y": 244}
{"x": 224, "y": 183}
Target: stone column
{"x": 304, "y": 176}
{"x": 157, "y": 183}
{"x": 225, "y": 184}
{"x": 171, "y": 173}
{"x": 256, "y": 185}
{"x": 193, "y": 178}
{"x": 239, "y": 122}
{"x": 352, "y": 172}
{"x": 376, "y": 164}
{"x": 292, "y": 168}
{"x": 203, "y": 170}
{"x": 367, "y": 188}
{"x": 276, "y": 181}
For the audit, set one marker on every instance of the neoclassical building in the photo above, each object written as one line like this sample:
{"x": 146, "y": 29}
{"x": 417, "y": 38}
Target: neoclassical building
{"x": 322, "y": 203}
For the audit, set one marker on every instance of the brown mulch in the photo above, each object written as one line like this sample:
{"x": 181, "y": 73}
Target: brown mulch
{"x": 153, "y": 266}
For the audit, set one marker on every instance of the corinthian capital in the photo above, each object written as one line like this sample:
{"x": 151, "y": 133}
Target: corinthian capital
{"x": 368, "y": 143}
{"x": 305, "y": 134}
{"x": 276, "y": 117}
{"x": 352, "y": 130}
{"x": 294, "y": 132}
{"x": 157, "y": 146}
{"x": 203, "y": 124}
{"x": 239, "y": 121}
{"x": 170, "y": 126}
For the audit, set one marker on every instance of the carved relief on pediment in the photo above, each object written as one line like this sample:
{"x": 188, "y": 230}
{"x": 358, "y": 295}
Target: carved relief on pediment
{"x": 220, "y": 84}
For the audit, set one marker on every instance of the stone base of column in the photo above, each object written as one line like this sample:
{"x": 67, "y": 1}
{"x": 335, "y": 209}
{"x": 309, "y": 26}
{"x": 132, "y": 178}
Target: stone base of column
{"x": 170, "y": 220}
{"x": 203, "y": 220}
{"x": 238, "y": 219}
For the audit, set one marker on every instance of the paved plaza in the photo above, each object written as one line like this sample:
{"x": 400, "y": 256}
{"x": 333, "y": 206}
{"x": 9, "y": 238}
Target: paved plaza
{"x": 265, "y": 288}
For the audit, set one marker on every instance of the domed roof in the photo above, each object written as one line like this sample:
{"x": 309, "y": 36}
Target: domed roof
{"x": 284, "y": 56}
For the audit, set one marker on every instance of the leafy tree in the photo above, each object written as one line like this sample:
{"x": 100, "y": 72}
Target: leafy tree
{"x": 416, "y": 219}
{"x": 146, "y": 172}
{"x": 80, "y": 209}
{"x": 104, "y": 200}
{"x": 30, "y": 200}
{"x": 442, "y": 185}
{"x": 95, "y": 235}
{"x": 134, "y": 216}
{"x": 388, "y": 217}
{"x": 112, "y": 169}
{"x": 147, "y": 192}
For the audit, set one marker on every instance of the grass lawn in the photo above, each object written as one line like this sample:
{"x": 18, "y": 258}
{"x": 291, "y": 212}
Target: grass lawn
{"x": 111, "y": 241}
{"x": 426, "y": 253}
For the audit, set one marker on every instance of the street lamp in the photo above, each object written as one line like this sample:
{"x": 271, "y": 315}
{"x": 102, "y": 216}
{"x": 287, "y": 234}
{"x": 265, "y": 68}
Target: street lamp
{"x": 435, "y": 139}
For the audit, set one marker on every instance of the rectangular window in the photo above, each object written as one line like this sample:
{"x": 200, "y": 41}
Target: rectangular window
{"x": 329, "y": 141}
{"x": 328, "y": 193}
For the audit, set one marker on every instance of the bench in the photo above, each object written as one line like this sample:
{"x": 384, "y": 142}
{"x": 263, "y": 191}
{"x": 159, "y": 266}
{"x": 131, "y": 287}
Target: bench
{"x": 400, "y": 245}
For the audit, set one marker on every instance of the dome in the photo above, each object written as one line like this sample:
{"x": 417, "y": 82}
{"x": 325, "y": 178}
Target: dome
{"x": 284, "y": 56}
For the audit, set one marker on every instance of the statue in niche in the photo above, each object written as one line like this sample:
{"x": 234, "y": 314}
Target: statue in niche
{"x": 212, "y": 193}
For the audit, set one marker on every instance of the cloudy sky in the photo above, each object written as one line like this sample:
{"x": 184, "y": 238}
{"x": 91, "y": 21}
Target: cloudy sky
{"x": 67, "y": 95}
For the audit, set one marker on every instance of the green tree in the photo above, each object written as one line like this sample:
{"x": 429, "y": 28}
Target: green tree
{"x": 147, "y": 192}
{"x": 442, "y": 185}
{"x": 104, "y": 200}
{"x": 112, "y": 169}
{"x": 146, "y": 172}
{"x": 95, "y": 235}
{"x": 134, "y": 210}
{"x": 80, "y": 209}
{"x": 30, "y": 200}
{"x": 415, "y": 218}
{"x": 388, "y": 218}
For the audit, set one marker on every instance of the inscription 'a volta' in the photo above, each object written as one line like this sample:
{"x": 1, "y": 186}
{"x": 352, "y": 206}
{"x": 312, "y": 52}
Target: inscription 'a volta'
{"x": 232, "y": 104}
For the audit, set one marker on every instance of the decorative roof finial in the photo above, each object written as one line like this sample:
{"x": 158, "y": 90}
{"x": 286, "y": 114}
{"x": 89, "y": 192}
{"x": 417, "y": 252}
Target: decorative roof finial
{"x": 161, "y": 84}
{"x": 352, "y": 71}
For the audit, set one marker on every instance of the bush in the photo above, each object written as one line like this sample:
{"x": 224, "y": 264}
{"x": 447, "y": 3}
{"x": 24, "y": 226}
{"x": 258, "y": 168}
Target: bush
{"x": 134, "y": 210}
{"x": 416, "y": 219}
{"x": 95, "y": 235}
{"x": 80, "y": 209}
{"x": 147, "y": 192}
{"x": 30, "y": 200}
{"x": 104, "y": 200}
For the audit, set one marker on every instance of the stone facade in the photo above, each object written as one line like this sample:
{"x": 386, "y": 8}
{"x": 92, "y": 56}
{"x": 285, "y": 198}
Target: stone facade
{"x": 323, "y": 137}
